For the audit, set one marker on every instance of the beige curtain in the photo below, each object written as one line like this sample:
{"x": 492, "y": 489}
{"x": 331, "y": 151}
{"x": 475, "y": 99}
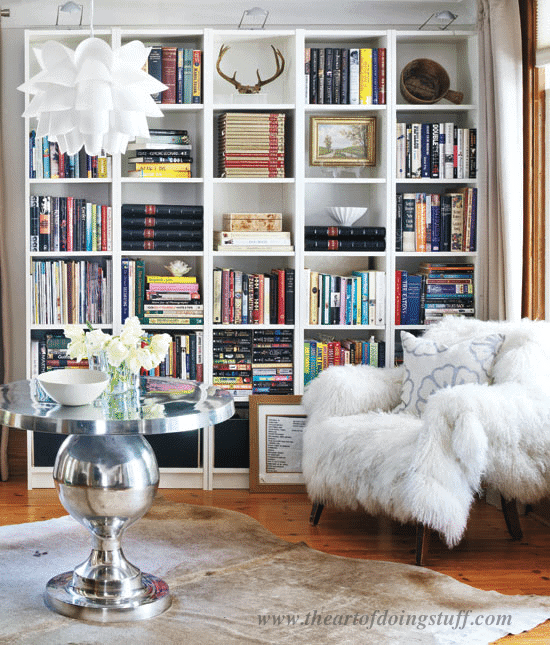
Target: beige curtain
{"x": 3, "y": 313}
{"x": 502, "y": 118}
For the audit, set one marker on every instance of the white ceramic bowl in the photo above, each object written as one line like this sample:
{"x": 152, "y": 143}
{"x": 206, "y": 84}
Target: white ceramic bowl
{"x": 346, "y": 215}
{"x": 74, "y": 386}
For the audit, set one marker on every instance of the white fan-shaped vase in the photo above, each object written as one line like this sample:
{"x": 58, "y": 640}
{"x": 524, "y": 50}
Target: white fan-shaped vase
{"x": 346, "y": 215}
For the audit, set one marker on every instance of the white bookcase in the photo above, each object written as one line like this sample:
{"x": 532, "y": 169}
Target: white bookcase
{"x": 302, "y": 196}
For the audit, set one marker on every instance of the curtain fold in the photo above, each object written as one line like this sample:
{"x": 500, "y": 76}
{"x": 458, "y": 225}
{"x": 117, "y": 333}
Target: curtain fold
{"x": 4, "y": 367}
{"x": 502, "y": 162}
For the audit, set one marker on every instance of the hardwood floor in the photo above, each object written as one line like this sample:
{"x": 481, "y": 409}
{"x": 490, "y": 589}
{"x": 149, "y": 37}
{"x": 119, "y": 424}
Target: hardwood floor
{"x": 487, "y": 558}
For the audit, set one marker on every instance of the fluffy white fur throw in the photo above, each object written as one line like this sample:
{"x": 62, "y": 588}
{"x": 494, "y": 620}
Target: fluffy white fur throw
{"x": 357, "y": 452}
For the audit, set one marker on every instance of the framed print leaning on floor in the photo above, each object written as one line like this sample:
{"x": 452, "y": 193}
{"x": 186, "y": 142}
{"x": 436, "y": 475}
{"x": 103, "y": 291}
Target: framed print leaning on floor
{"x": 276, "y": 429}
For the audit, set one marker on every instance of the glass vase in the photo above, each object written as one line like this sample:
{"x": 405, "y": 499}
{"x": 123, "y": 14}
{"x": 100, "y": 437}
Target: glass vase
{"x": 121, "y": 378}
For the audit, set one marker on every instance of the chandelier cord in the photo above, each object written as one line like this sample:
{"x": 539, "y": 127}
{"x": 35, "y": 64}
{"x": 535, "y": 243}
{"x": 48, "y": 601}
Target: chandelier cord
{"x": 92, "y": 18}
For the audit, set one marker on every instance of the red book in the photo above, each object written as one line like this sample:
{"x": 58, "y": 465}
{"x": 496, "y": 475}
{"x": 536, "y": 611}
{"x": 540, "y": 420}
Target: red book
{"x": 226, "y": 320}
{"x": 280, "y": 296}
{"x": 104, "y": 227}
{"x": 381, "y": 75}
{"x": 169, "y": 73}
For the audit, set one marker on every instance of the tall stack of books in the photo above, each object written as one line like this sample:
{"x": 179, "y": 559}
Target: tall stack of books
{"x": 163, "y": 227}
{"x": 172, "y": 300}
{"x": 179, "y": 69}
{"x": 345, "y": 238}
{"x": 272, "y": 361}
{"x": 165, "y": 153}
{"x": 252, "y": 232}
{"x": 232, "y": 356}
{"x": 242, "y": 298}
{"x": 428, "y": 222}
{"x": 449, "y": 290}
{"x": 346, "y": 76}
{"x": 251, "y": 144}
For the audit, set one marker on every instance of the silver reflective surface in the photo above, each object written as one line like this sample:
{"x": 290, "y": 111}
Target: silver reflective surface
{"x": 160, "y": 405}
{"x": 106, "y": 476}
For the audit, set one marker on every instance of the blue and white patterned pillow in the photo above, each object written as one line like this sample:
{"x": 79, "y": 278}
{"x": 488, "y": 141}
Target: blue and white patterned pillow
{"x": 431, "y": 366}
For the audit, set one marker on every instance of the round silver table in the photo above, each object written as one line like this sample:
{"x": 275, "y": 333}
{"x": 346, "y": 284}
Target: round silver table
{"x": 106, "y": 475}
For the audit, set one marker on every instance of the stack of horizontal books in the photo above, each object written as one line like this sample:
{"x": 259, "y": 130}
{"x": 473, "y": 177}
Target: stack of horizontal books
{"x": 345, "y": 238}
{"x": 165, "y": 154}
{"x": 168, "y": 301}
{"x": 252, "y": 232}
{"x": 449, "y": 290}
{"x": 251, "y": 144}
{"x": 161, "y": 227}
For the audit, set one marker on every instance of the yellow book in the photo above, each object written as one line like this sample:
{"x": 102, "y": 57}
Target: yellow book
{"x": 365, "y": 76}
{"x": 157, "y": 167}
{"x": 314, "y": 298}
{"x": 171, "y": 174}
{"x": 173, "y": 279}
{"x": 196, "y": 76}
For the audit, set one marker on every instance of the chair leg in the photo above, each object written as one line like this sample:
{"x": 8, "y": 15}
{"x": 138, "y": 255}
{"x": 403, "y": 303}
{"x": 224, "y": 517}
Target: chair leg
{"x": 316, "y": 511}
{"x": 511, "y": 517}
{"x": 421, "y": 543}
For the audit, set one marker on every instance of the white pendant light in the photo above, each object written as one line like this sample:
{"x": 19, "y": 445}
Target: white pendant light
{"x": 94, "y": 96}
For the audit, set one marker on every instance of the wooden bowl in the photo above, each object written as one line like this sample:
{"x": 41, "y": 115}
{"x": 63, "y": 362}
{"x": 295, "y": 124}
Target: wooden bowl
{"x": 425, "y": 81}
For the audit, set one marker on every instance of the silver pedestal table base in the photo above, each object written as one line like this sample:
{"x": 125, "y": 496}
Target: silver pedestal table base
{"x": 106, "y": 475}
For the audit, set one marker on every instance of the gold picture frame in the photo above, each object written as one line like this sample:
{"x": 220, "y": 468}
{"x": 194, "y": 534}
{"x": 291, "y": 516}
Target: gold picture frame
{"x": 276, "y": 424}
{"x": 342, "y": 141}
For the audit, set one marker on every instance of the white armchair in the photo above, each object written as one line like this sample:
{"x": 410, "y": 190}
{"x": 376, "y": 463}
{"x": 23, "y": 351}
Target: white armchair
{"x": 470, "y": 404}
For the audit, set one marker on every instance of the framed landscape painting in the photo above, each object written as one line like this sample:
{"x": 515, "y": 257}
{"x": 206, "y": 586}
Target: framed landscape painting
{"x": 342, "y": 141}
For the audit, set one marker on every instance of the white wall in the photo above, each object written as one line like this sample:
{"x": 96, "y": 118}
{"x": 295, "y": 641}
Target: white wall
{"x": 41, "y": 14}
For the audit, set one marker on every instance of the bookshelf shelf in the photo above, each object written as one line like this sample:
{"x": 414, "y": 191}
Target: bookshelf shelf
{"x": 302, "y": 196}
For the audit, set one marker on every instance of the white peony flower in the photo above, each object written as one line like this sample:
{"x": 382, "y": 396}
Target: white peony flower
{"x": 117, "y": 352}
{"x": 74, "y": 332}
{"x": 96, "y": 341}
{"x": 159, "y": 346}
{"x": 132, "y": 332}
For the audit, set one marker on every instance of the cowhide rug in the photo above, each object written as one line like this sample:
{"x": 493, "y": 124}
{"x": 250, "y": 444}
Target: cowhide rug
{"x": 232, "y": 581}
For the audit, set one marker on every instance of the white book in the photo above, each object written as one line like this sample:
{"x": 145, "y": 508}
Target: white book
{"x": 416, "y": 152}
{"x": 354, "y": 76}
{"x": 372, "y": 297}
{"x": 217, "y": 297}
{"x": 460, "y": 154}
{"x": 449, "y": 150}
{"x": 401, "y": 150}
{"x": 380, "y": 298}
{"x": 442, "y": 151}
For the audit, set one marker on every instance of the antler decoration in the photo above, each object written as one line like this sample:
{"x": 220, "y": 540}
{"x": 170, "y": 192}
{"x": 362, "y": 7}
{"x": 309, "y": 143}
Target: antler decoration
{"x": 251, "y": 89}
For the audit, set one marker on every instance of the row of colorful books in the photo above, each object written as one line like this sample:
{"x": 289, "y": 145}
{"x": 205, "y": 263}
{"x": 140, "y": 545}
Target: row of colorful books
{"x": 47, "y": 162}
{"x": 345, "y": 238}
{"x": 320, "y": 354}
{"x": 436, "y": 151}
{"x": 345, "y": 76}
{"x": 357, "y": 299}
{"x": 158, "y": 299}
{"x": 184, "y": 359}
{"x": 164, "y": 153}
{"x": 71, "y": 292}
{"x": 69, "y": 224}
{"x": 254, "y": 361}
{"x": 242, "y": 298}
{"x": 431, "y": 222}
{"x": 251, "y": 144}
{"x": 436, "y": 290}
{"x": 169, "y": 226}
{"x": 179, "y": 68}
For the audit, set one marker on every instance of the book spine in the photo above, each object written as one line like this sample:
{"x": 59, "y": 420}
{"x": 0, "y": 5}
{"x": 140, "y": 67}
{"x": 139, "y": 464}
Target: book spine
{"x": 399, "y": 222}
{"x": 307, "y": 72}
{"x": 289, "y": 296}
{"x": 313, "y": 79}
{"x": 365, "y": 76}
{"x": 381, "y": 75}
{"x": 197, "y": 77}
{"x": 354, "y": 76}
{"x": 154, "y": 69}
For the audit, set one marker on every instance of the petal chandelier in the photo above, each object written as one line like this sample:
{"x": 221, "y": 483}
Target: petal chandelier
{"x": 94, "y": 96}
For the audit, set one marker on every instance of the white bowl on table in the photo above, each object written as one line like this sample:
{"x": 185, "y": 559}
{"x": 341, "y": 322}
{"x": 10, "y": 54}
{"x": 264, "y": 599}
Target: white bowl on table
{"x": 74, "y": 386}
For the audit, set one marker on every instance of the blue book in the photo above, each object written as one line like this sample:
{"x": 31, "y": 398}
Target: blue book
{"x": 179, "y": 74}
{"x": 187, "y": 76}
{"x": 154, "y": 69}
{"x": 414, "y": 290}
{"x": 364, "y": 276}
{"x": 124, "y": 289}
{"x": 375, "y": 76}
